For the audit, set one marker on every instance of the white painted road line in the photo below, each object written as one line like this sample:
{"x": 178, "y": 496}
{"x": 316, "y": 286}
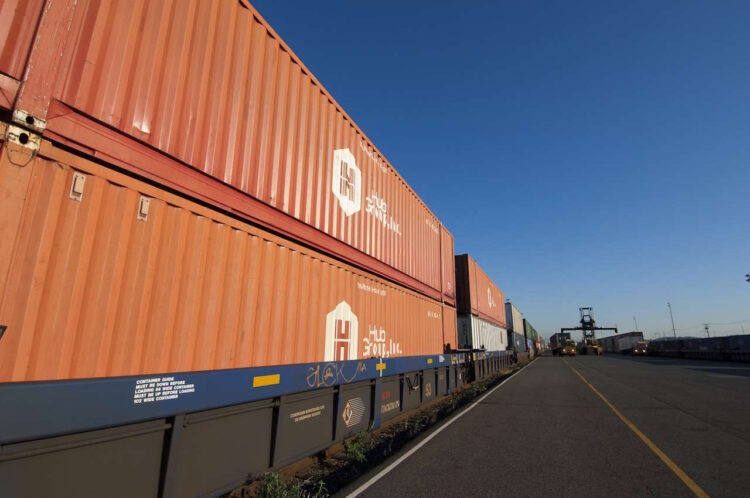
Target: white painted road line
{"x": 426, "y": 440}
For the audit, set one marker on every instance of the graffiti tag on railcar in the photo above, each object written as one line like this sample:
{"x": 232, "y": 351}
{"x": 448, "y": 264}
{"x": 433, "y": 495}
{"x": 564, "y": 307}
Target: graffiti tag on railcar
{"x": 329, "y": 374}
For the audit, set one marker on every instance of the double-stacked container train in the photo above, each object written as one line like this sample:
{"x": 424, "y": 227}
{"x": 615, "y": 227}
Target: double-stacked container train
{"x": 207, "y": 270}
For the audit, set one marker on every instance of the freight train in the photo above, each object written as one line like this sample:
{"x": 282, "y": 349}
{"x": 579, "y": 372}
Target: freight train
{"x": 207, "y": 270}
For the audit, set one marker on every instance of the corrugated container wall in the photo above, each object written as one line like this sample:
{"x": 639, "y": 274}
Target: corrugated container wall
{"x": 517, "y": 341}
{"x": 514, "y": 318}
{"x": 608, "y": 344}
{"x": 18, "y": 21}
{"x": 450, "y": 332}
{"x": 530, "y": 334}
{"x": 448, "y": 270}
{"x": 104, "y": 275}
{"x": 477, "y": 334}
{"x": 476, "y": 293}
{"x": 213, "y": 89}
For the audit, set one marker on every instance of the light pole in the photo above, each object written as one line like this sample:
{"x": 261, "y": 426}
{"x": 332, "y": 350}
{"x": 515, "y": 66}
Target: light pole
{"x": 636, "y": 323}
{"x": 671, "y": 317}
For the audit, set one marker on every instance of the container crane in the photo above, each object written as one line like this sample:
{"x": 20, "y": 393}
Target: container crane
{"x": 588, "y": 327}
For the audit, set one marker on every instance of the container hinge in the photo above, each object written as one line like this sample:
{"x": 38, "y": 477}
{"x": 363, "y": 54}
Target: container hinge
{"x": 26, "y": 145}
{"x": 143, "y": 206}
{"x": 76, "y": 186}
{"x": 27, "y": 120}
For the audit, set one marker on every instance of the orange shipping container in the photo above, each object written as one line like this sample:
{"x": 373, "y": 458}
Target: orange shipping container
{"x": 105, "y": 275}
{"x": 18, "y": 20}
{"x": 448, "y": 270}
{"x": 450, "y": 327}
{"x": 237, "y": 120}
{"x": 476, "y": 293}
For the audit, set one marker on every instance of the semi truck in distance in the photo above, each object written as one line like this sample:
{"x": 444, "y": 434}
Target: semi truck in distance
{"x": 627, "y": 343}
{"x": 561, "y": 344}
{"x": 641, "y": 348}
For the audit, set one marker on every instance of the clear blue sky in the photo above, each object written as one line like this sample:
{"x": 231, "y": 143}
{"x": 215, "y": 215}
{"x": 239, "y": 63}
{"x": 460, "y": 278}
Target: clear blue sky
{"x": 585, "y": 153}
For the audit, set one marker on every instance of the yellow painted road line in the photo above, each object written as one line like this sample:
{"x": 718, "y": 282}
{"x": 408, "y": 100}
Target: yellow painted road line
{"x": 664, "y": 458}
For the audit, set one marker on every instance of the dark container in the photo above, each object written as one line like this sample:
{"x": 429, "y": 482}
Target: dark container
{"x": 476, "y": 293}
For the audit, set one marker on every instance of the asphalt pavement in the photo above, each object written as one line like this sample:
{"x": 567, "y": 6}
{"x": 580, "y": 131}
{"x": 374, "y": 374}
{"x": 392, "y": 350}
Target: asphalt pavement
{"x": 547, "y": 432}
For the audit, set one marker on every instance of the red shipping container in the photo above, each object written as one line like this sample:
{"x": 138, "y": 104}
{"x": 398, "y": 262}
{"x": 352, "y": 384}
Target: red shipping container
{"x": 104, "y": 275}
{"x": 235, "y": 119}
{"x": 476, "y": 293}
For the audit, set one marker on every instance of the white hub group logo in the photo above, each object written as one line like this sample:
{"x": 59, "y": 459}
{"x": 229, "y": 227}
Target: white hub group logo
{"x": 489, "y": 298}
{"x": 346, "y": 182}
{"x": 342, "y": 328}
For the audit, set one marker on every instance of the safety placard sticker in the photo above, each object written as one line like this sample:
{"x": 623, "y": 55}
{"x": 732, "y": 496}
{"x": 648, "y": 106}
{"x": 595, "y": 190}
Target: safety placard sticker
{"x": 155, "y": 389}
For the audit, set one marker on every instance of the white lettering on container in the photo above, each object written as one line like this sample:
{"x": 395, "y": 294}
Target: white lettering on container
{"x": 368, "y": 288}
{"x": 378, "y": 208}
{"x": 376, "y": 345}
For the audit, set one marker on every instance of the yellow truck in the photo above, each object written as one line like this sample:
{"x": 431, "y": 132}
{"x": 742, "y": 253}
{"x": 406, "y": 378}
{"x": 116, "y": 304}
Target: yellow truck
{"x": 569, "y": 348}
{"x": 641, "y": 348}
{"x": 562, "y": 345}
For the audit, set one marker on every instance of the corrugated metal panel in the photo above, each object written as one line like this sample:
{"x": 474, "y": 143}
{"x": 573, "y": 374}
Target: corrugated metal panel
{"x": 448, "y": 271}
{"x": 92, "y": 290}
{"x": 477, "y": 333}
{"x": 465, "y": 295}
{"x": 450, "y": 333}
{"x": 607, "y": 344}
{"x": 490, "y": 299}
{"x": 211, "y": 84}
{"x": 514, "y": 318}
{"x": 530, "y": 334}
{"x": 519, "y": 343}
{"x": 18, "y": 21}
{"x": 475, "y": 287}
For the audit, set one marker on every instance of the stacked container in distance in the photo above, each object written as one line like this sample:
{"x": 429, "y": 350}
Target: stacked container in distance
{"x": 532, "y": 339}
{"x": 514, "y": 318}
{"x": 480, "y": 307}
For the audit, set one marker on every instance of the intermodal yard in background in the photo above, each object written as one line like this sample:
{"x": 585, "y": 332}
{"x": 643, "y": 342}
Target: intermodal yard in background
{"x": 208, "y": 273}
